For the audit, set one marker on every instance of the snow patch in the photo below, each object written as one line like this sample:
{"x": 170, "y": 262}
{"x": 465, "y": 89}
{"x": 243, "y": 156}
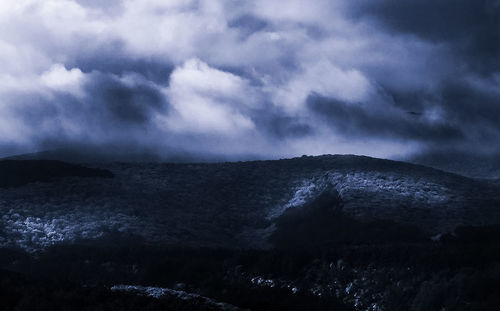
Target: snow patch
{"x": 302, "y": 194}
{"x": 390, "y": 189}
{"x": 159, "y": 292}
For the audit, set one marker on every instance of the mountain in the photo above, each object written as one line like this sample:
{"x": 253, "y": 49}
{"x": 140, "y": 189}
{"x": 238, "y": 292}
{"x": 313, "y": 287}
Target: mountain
{"x": 334, "y": 232}
{"x": 18, "y": 173}
{"x": 118, "y": 153}
{"x": 232, "y": 205}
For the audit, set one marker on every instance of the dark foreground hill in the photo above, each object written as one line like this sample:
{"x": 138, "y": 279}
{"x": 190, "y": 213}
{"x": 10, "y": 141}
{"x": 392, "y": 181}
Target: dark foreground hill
{"x": 318, "y": 233}
{"x": 18, "y": 173}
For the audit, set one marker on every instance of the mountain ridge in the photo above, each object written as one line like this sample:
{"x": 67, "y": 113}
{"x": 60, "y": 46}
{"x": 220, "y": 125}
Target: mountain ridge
{"x": 236, "y": 204}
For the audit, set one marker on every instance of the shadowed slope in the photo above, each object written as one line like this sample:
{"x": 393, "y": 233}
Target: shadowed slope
{"x": 17, "y": 173}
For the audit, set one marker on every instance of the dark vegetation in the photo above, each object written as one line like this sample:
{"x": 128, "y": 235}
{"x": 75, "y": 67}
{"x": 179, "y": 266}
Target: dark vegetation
{"x": 334, "y": 261}
{"x": 15, "y": 173}
{"x": 21, "y": 293}
{"x": 191, "y": 221}
{"x": 227, "y": 204}
{"x": 322, "y": 224}
{"x": 459, "y": 272}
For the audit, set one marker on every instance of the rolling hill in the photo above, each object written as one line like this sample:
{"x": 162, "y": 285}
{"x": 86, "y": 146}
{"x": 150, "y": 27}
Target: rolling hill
{"x": 335, "y": 232}
{"x": 231, "y": 205}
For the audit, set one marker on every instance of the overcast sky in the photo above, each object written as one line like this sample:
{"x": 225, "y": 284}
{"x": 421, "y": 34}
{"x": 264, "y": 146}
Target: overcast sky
{"x": 243, "y": 79}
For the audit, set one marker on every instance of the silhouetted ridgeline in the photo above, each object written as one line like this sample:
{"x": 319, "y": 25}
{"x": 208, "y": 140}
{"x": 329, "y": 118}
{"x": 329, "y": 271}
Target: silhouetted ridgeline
{"x": 15, "y": 173}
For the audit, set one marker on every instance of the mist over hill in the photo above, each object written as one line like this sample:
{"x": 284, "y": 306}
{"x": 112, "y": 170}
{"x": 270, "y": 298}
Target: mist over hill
{"x": 469, "y": 164}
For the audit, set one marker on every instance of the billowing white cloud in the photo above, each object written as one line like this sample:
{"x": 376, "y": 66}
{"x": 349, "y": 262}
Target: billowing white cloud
{"x": 207, "y": 100}
{"x": 58, "y": 78}
{"x": 324, "y": 79}
{"x": 239, "y": 73}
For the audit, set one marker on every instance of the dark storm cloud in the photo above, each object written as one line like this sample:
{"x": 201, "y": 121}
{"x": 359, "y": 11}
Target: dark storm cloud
{"x": 413, "y": 101}
{"x": 470, "y": 28}
{"x": 227, "y": 79}
{"x": 284, "y": 127}
{"x": 463, "y": 92}
{"x": 248, "y": 24}
{"x": 124, "y": 104}
{"x": 113, "y": 58}
{"x": 476, "y": 110}
{"x": 279, "y": 126}
{"x": 108, "y": 116}
{"x": 358, "y": 120}
{"x": 35, "y": 110}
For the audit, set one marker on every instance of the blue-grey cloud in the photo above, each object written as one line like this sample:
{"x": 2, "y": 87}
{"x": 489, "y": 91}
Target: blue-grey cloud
{"x": 354, "y": 120}
{"x": 225, "y": 79}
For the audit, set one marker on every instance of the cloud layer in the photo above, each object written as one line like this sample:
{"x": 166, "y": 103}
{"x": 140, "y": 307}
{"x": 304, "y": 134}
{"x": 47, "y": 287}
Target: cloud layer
{"x": 243, "y": 79}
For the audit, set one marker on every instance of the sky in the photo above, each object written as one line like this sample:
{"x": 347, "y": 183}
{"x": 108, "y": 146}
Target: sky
{"x": 229, "y": 79}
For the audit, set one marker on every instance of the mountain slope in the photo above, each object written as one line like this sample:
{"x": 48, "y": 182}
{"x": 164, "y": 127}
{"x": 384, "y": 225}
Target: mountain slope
{"x": 18, "y": 173}
{"x": 236, "y": 205}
